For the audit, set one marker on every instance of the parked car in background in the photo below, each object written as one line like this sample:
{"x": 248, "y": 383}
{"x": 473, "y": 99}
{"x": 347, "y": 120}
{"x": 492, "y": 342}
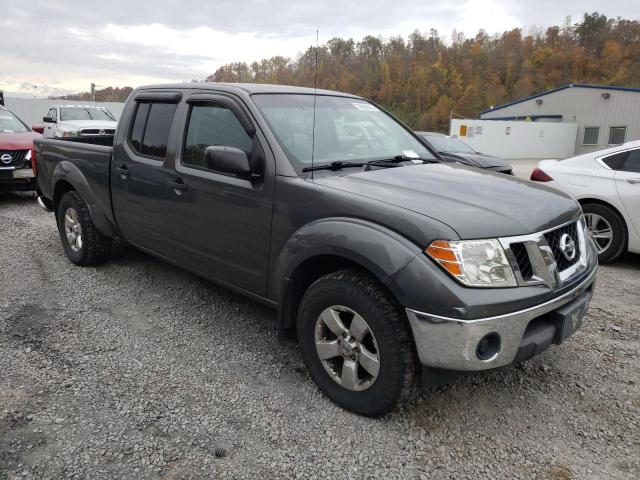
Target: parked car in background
{"x": 16, "y": 149}
{"x": 607, "y": 185}
{"x": 378, "y": 256}
{"x": 455, "y": 150}
{"x": 78, "y": 120}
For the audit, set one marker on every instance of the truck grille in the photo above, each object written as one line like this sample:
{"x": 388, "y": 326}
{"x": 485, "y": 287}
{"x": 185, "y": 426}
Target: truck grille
{"x": 12, "y": 158}
{"x": 522, "y": 259}
{"x": 550, "y": 257}
{"x": 553, "y": 238}
{"x": 98, "y": 131}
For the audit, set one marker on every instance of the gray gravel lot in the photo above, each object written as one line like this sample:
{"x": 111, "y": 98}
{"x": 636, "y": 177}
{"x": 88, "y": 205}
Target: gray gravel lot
{"x": 138, "y": 370}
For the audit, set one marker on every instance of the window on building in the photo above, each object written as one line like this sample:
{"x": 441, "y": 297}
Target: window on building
{"x": 591, "y": 135}
{"x": 213, "y": 124}
{"x": 617, "y": 135}
{"x": 151, "y": 126}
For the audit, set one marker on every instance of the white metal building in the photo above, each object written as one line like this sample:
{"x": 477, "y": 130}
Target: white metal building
{"x": 604, "y": 115}
{"x": 31, "y": 110}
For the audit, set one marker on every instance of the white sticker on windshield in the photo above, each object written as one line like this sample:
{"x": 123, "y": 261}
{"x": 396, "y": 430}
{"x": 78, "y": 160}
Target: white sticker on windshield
{"x": 365, "y": 107}
{"x": 410, "y": 154}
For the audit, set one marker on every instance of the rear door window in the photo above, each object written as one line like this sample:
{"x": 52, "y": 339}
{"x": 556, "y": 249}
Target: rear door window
{"x": 151, "y": 127}
{"x": 632, "y": 162}
{"x": 615, "y": 162}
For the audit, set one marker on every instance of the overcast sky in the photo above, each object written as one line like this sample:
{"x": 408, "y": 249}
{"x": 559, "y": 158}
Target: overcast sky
{"x": 63, "y": 46}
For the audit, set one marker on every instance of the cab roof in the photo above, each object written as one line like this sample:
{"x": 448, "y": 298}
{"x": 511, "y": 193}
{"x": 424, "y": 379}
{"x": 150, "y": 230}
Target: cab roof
{"x": 250, "y": 88}
{"x": 80, "y": 106}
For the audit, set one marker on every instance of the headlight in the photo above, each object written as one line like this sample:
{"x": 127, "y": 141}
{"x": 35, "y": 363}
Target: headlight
{"x": 71, "y": 134}
{"x": 27, "y": 157}
{"x": 474, "y": 263}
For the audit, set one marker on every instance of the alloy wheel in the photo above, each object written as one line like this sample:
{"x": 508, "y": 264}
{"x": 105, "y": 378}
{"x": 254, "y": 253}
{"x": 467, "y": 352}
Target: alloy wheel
{"x": 73, "y": 229}
{"x": 347, "y": 348}
{"x": 600, "y": 230}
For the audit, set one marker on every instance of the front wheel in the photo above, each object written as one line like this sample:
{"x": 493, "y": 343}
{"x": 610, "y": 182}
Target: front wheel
{"x": 82, "y": 242}
{"x": 356, "y": 343}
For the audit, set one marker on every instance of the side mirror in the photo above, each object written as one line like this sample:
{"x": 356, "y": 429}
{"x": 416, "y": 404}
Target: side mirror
{"x": 228, "y": 160}
{"x": 37, "y": 128}
{"x": 48, "y": 120}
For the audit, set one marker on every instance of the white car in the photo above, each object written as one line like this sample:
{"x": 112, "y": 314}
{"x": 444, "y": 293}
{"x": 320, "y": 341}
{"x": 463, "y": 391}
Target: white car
{"x": 607, "y": 185}
{"x": 78, "y": 120}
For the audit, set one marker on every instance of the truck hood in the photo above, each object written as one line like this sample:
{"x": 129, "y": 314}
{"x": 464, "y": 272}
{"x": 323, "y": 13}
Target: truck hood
{"x": 17, "y": 140}
{"x": 475, "y": 203}
{"x": 77, "y": 124}
{"x": 476, "y": 160}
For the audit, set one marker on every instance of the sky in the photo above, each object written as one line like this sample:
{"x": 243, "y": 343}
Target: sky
{"x": 60, "y": 47}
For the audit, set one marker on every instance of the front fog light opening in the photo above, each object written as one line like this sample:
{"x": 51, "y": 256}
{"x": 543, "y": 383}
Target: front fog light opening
{"x": 488, "y": 347}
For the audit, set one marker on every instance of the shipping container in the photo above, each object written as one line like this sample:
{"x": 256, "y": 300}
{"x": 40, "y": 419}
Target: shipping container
{"x": 514, "y": 140}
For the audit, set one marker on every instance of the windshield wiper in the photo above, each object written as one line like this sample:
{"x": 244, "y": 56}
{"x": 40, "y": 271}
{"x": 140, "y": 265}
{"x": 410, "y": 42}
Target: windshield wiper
{"x": 379, "y": 162}
{"x": 333, "y": 166}
{"x": 404, "y": 158}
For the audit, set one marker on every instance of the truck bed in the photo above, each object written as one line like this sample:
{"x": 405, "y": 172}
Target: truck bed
{"x": 87, "y": 160}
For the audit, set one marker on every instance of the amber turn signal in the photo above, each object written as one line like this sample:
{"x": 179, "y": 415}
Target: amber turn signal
{"x": 441, "y": 251}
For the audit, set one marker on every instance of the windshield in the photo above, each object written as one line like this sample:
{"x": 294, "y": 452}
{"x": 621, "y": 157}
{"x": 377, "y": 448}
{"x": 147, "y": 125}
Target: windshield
{"x": 10, "y": 123}
{"x": 84, "y": 113}
{"x": 448, "y": 144}
{"x": 346, "y": 129}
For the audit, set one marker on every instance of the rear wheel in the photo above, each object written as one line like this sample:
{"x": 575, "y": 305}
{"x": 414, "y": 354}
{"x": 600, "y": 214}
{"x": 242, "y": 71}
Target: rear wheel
{"x": 607, "y": 230}
{"x": 356, "y": 343}
{"x": 82, "y": 242}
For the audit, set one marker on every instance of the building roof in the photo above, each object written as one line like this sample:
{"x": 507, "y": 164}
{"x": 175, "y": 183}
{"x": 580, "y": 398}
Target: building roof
{"x": 564, "y": 87}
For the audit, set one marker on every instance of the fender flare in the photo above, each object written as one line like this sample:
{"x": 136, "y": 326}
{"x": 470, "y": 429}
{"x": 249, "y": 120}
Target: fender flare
{"x": 66, "y": 171}
{"x": 379, "y": 250}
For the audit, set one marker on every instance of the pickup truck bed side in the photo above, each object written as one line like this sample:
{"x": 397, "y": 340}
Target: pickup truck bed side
{"x": 66, "y": 165}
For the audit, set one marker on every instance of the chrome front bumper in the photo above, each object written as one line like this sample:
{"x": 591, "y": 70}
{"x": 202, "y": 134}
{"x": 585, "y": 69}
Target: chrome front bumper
{"x": 452, "y": 343}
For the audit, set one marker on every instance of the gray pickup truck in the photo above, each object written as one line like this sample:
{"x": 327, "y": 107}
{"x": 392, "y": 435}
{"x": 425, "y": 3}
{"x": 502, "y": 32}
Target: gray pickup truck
{"x": 390, "y": 266}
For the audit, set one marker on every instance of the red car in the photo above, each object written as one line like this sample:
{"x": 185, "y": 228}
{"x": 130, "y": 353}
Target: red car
{"x": 17, "y": 165}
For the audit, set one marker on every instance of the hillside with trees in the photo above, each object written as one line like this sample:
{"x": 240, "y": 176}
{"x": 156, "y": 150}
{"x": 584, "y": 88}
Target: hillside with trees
{"x": 425, "y": 80}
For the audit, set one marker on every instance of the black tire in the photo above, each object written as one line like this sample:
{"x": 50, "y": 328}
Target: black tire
{"x": 361, "y": 293}
{"x": 619, "y": 241}
{"x": 95, "y": 247}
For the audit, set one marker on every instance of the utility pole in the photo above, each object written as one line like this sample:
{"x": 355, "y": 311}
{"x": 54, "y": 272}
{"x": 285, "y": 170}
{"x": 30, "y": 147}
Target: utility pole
{"x": 93, "y": 92}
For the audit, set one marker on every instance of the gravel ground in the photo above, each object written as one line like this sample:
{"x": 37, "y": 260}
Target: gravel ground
{"x": 136, "y": 370}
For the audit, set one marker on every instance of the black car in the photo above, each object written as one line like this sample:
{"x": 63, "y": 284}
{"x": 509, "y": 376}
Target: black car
{"x": 455, "y": 150}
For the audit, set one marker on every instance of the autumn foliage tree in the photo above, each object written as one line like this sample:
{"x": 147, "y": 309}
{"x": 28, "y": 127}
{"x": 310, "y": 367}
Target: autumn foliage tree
{"x": 425, "y": 80}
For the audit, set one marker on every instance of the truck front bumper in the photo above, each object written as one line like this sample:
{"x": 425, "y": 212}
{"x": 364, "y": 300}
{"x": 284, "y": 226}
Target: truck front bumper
{"x": 486, "y": 343}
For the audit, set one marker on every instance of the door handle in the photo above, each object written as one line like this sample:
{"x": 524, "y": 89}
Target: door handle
{"x": 633, "y": 181}
{"x": 178, "y": 185}
{"x": 123, "y": 170}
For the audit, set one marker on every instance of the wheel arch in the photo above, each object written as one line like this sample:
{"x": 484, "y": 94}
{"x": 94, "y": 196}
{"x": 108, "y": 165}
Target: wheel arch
{"x": 67, "y": 177}
{"x": 623, "y": 218}
{"x": 330, "y": 245}
{"x": 604, "y": 203}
